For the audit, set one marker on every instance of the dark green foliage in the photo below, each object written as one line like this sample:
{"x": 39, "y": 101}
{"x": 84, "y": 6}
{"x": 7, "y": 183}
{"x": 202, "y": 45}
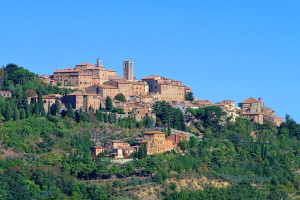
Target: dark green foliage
{"x": 189, "y": 96}
{"x": 120, "y": 97}
{"x": 108, "y": 103}
{"x": 142, "y": 153}
{"x": 148, "y": 122}
{"x": 70, "y": 112}
{"x": 165, "y": 114}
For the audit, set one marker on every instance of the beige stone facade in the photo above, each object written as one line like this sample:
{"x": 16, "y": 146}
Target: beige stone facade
{"x": 113, "y": 144}
{"x": 169, "y": 90}
{"x": 140, "y": 88}
{"x": 128, "y": 70}
{"x": 154, "y": 141}
{"x": 82, "y": 100}
{"x": 5, "y": 94}
{"x": 256, "y": 111}
{"x": 50, "y": 99}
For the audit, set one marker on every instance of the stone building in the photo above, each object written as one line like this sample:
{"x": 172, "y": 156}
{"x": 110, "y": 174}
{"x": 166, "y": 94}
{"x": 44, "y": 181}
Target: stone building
{"x": 124, "y": 86}
{"x": 169, "y": 89}
{"x": 255, "y": 110}
{"x": 5, "y": 94}
{"x": 96, "y": 150}
{"x": 50, "y": 99}
{"x": 228, "y": 106}
{"x": 128, "y": 70}
{"x": 82, "y": 100}
{"x": 140, "y": 88}
{"x": 113, "y": 144}
{"x": 204, "y": 103}
{"x": 104, "y": 90}
{"x": 154, "y": 141}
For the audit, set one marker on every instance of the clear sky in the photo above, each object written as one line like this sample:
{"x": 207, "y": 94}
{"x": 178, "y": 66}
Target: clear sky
{"x": 222, "y": 49}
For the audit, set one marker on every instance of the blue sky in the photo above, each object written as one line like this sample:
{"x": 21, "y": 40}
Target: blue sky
{"x": 222, "y": 49}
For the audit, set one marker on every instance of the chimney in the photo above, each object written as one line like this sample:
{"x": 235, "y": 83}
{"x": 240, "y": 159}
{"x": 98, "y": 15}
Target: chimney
{"x": 259, "y": 99}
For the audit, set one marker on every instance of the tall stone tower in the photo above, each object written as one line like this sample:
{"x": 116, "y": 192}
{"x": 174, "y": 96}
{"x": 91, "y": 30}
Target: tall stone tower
{"x": 99, "y": 63}
{"x": 128, "y": 70}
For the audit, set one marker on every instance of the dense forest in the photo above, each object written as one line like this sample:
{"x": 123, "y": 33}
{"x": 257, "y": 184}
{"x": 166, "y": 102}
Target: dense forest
{"x": 46, "y": 154}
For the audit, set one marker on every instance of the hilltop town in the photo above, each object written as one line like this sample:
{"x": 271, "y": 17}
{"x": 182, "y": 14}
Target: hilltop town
{"x": 151, "y": 138}
{"x": 92, "y": 84}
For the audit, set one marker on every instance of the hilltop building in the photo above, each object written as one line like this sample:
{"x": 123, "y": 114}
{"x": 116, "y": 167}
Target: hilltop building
{"x": 82, "y": 100}
{"x": 5, "y": 94}
{"x": 228, "y": 106}
{"x": 128, "y": 70}
{"x": 169, "y": 89}
{"x": 255, "y": 110}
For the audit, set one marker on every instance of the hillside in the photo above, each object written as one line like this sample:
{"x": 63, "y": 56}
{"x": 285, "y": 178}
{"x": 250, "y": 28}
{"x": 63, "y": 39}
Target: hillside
{"x": 46, "y": 155}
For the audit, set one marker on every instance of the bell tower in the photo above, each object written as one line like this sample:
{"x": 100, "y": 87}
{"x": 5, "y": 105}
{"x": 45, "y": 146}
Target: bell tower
{"x": 128, "y": 70}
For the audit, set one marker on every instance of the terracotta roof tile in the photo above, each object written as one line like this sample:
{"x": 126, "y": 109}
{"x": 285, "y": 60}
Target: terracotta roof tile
{"x": 88, "y": 64}
{"x": 250, "y": 100}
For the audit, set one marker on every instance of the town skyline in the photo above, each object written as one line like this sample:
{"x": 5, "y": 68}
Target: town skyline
{"x": 208, "y": 47}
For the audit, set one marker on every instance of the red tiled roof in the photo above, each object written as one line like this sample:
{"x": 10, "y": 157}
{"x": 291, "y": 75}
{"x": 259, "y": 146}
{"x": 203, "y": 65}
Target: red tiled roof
{"x": 88, "y": 64}
{"x": 108, "y": 86}
{"x": 4, "y": 92}
{"x": 121, "y": 81}
{"x": 66, "y": 70}
{"x": 114, "y": 77}
{"x": 151, "y": 77}
{"x": 98, "y": 147}
{"x": 153, "y": 132}
{"x": 250, "y": 100}
{"x": 79, "y": 93}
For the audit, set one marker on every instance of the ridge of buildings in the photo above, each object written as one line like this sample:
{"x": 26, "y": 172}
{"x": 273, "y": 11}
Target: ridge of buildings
{"x": 95, "y": 83}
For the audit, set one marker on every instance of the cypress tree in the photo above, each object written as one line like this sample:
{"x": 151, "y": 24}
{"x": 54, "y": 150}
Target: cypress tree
{"x": 49, "y": 108}
{"x": 101, "y": 118}
{"x": 22, "y": 114}
{"x": 110, "y": 118}
{"x": 104, "y": 117}
{"x": 8, "y": 113}
{"x": 169, "y": 128}
{"x": 57, "y": 107}
{"x": 108, "y": 105}
{"x": 35, "y": 108}
{"x": 41, "y": 103}
{"x": 115, "y": 119}
{"x": 70, "y": 111}
{"x": 26, "y": 105}
{"x": 16, "y": 114}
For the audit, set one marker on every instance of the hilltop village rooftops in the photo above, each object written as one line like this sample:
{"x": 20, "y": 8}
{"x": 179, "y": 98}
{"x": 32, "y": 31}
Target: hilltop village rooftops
{"x": 107, "y": 86}
{"x": 85, "y": 64}
{"x": 115, "y": 77}
{"x": 80, "y": 93}
{"x": 5, "y": 92}
{"x": 250, "y": 100}
{"x": 153, "y": 132}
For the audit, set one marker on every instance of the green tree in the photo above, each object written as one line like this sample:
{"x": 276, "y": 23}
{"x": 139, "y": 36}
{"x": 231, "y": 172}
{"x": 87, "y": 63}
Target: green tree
{"x": 41, "y": 103}
{"x": 189, "y": 96}
{"x": 108, "y": 104}
{"x": 8, "y": 113}
{"x": 184, "y": 144}
{"x": 57, "y": 107}
{"x": 193, "y": 142}
{"x": 16, "y": 114}
{"x": 120, "y": 97}
{"x": 70, "y": 112}
{"x": 148, "y": 122}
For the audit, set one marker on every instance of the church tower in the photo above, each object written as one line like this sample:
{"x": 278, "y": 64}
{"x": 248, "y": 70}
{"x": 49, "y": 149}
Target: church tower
{"x": 128, "y": 70}
{"x": 99, "y": 63}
